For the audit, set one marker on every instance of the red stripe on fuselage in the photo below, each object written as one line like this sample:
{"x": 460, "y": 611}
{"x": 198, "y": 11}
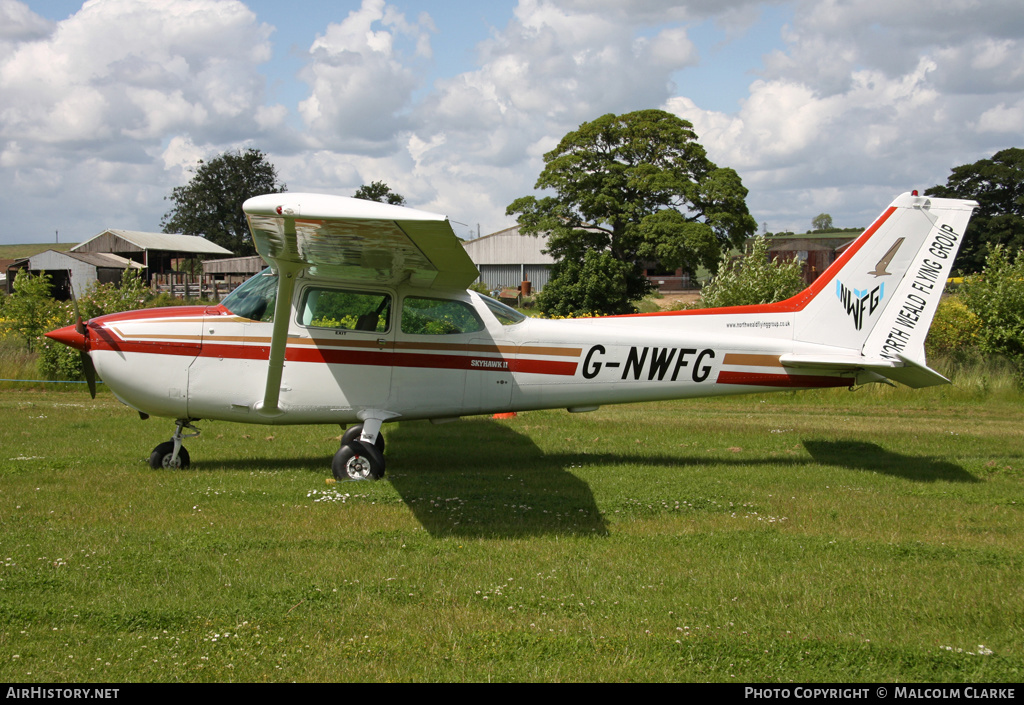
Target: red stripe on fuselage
{"x": 108, "y": 340}
{"x": 758, "y": 379}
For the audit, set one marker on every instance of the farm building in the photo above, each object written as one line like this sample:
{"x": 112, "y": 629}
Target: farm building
{"x": 228, "y": 273}
{"x": 816, "y": 250}
{"x": 155, "y": 251}
{"x": 74, "y": 269}
{"x": 506, "y": 259}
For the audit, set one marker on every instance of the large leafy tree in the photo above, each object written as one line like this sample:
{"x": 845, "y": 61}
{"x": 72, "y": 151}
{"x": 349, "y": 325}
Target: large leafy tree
{"x": 997, "y": 184}
{"x": 629, "y": 189}
{"x": 380, "y": 192}
{"x": 210, "y": 204}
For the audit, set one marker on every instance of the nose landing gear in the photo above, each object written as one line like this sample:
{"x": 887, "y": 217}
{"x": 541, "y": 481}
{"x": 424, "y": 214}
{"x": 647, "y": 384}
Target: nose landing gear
{"x": 171, "y": 454}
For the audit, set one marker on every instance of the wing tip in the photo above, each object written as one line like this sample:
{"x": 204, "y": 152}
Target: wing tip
{"x": 323, "y": 206}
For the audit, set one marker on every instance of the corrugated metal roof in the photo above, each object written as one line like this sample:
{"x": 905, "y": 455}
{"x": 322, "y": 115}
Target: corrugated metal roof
{"x": 508, "y": 247}
{"x": 54, "y": 259}
{"x": 104, "y": 259}
{"x": 167, "y": 242}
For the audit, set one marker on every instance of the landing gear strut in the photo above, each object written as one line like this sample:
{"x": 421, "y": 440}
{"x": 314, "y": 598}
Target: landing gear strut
{"x": 171, "y": 454}
{"x": 357, "y": 459}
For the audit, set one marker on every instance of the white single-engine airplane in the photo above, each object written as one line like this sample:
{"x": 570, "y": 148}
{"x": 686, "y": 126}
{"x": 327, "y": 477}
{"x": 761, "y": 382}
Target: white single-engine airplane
{"x": 363, "y": 318}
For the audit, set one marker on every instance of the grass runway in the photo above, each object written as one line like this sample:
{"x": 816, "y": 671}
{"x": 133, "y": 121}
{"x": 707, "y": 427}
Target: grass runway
{"x": 809, "y": 537}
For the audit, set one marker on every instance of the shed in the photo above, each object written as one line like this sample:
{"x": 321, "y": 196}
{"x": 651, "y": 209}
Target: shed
{"x": 156, "y": 251}
{"x": 228, "y": 273}
{"x": 241, "y": 266}
{"x": 78, "y": 270}
{"x": 506, "y": 259}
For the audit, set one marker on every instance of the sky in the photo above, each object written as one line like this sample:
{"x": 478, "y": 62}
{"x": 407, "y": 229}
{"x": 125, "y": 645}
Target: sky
{"x": 829, "y": 106}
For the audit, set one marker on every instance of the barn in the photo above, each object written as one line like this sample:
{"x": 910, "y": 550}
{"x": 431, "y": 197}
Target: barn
{"x": 157, "y": 252}
{"x": 506, "y": 259}
{"x": 77, "y": 269}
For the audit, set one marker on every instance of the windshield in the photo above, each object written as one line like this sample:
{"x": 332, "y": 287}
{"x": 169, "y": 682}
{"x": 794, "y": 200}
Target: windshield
{"x": 255, "y": 298}
{"x": 506, "y": 315}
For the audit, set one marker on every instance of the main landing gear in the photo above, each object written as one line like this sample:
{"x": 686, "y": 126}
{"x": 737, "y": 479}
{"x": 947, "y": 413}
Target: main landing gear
{"x": 358, "y": 459}
{"x": 171, "y": 454}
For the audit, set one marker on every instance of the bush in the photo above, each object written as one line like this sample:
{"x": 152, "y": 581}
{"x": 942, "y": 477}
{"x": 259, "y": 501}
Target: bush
{"x": 596, "y": 283}
{"x": 754, "y": 279}
{"x": 955, "y": 331}
{"x": 996, "y": 297}
{"x": 29, "y": 312}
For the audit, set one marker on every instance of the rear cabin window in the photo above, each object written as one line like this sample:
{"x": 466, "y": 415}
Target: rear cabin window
{"x": 346, "y": 310}
{"x": 421, "y": 316}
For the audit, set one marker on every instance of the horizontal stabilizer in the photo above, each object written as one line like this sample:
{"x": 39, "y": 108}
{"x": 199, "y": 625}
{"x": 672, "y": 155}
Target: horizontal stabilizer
{"x": 904, "y": 370}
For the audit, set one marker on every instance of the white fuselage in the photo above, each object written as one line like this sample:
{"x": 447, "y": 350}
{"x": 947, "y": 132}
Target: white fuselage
{"x": 209, "y": 363}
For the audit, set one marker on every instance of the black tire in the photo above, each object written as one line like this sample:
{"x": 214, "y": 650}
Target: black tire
{"x": 355, "y": 432}
{"x": 160, "y": 458}
{"x": 358, "y": 461}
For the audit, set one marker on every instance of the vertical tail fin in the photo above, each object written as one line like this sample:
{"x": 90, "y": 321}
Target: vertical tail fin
{"x": 878, "y": 299}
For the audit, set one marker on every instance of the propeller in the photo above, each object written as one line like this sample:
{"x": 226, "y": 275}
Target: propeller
{"x": 82, "y": 329}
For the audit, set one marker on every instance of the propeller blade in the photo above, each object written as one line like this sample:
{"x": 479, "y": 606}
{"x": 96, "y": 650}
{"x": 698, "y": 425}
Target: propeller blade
{"x": 82, "y": 329}
{"x": 90, "y": 372}
{"x": 79, "y": 325}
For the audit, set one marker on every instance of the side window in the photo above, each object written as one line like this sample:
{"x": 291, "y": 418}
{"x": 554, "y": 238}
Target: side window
{"x": 347, "y": 310}
{"x": 438, "y": 317}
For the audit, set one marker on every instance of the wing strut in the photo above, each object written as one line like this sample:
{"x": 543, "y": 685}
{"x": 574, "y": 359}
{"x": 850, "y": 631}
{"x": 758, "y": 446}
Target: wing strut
{"x": 286, "y": 272}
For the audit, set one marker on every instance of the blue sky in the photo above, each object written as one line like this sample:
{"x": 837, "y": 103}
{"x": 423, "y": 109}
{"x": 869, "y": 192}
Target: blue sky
{"x": 831, "y": 106}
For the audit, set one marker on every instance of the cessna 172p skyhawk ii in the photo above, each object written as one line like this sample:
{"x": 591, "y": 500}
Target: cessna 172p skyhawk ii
{"x": 363, "y": 318}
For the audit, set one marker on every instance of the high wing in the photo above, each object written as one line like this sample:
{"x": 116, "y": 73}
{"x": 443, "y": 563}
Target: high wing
{"x": 349, "y": 240}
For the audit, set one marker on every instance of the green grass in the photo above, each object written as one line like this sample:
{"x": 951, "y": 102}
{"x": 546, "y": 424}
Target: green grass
{"x": 19, "y": 251}
{"x": 874, "y": 536}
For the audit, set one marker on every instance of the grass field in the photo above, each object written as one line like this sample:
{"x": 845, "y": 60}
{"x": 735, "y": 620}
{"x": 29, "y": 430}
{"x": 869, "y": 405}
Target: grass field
{"x": 872, "y": 536}
{"x": 19, "y": 251}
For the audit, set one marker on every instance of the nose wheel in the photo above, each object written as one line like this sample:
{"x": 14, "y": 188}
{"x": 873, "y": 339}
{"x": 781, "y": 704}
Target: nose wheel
{"x": 163, "y": 457}
{"x": 171, "y": 455}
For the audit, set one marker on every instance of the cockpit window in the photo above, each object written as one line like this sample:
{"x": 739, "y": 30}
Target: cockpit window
{"x": 255, "y": 298}
{"x": 347, "y": 310}
{"x": 506, "y": 315}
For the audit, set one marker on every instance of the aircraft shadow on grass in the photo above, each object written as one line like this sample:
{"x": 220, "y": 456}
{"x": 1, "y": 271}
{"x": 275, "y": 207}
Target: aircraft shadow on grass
{"x": 859, "y": 455}
{"x": 480, "y": 478}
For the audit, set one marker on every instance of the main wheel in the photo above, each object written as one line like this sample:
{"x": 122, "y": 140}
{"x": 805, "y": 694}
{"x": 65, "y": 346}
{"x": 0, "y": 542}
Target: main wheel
{"x": 355, "y": 432}
{"x": 161, "y": 457}
{"x": 358, "y": 461}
